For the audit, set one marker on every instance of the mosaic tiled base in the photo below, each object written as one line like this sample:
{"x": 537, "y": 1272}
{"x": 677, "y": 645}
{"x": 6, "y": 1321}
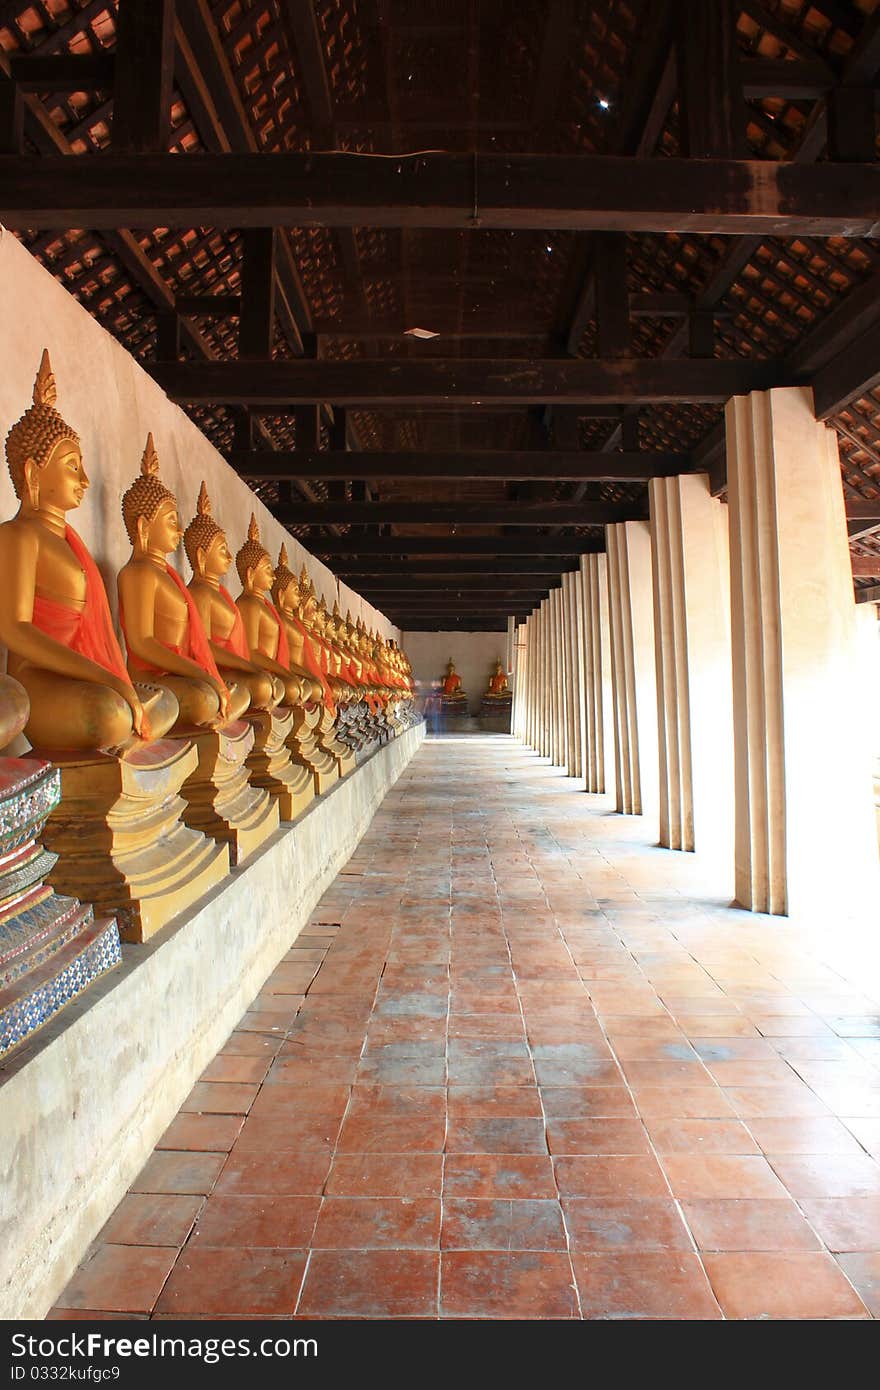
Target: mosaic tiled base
{"x": 51, "y": 947}
{"x": 29, "y": 790}
{"x": 62, "y": 978}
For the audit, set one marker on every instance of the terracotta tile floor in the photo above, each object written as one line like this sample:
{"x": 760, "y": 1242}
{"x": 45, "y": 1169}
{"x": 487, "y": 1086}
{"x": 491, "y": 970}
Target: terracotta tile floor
{"x": 521, "y": 1064}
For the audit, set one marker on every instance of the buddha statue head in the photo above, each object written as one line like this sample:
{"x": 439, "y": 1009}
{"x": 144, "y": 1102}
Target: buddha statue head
{"x": 205, "y": 543}
{"x": 149, "y": 510}
{"x": 253, "y": 562}
{"x": 43, "y": 452}
{"x": 320, "y": 618}
{"x": 308, "y": 600}
{"x": 334, "y": 623}
{"x": 286, "y": 587}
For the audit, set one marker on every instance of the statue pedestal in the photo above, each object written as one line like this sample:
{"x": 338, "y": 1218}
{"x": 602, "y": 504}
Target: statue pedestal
{"x": 454, "y": 713}
{"x": 307, "y": 751}
{"x": 272, "y": 765}
{"x": 495, "y": 714}
{"x": 326, "y": 731}
{"x": 51, "y": 947}
{"x": 120, "y": 838}
{"x": 220, "y": 800}
{"x": 351, "y": 726}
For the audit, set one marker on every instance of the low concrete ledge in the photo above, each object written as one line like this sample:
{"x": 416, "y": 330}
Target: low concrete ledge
{"x": 84, "y": 1103}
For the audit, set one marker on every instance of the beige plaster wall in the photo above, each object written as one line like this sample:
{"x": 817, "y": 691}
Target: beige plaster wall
{"x": 474, "y": 654}
{"x": 113, "y": 403}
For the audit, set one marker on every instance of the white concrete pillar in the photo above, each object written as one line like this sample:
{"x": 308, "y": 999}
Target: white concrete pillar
{"x": 544, "y": 681}
{"x": 691, "y": 568}
{"x": 599, "y": 769}
{"x": 532, "y": 723}
{"x": 518, "y": 676}
{"x": 569, "y": 599}
{"x": 562, "y": 747}
{"x": 633, "y": 677}
{"x": 805, "y": 841}
{"x": 556, "y": 682}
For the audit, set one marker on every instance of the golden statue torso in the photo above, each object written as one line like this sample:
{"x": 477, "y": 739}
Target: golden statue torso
{"x": 141, "y": 579}
{"x": 58, "y": 574}
{"x": 260, "y": 624}
{"x": 214, "y": 611}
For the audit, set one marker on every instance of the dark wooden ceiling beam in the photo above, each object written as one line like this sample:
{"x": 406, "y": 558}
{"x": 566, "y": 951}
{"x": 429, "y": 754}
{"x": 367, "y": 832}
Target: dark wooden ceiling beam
{"x": 143, "y": 77}
{"x": 578, "y": 192}
{"x": 648, "y": 95}
{"x": 852, "y": 373}
{"x": 465, "y": 513}
{"x": 451, "y": 598}
{"x": 467, "y": 568}
{"x": 866, "y": 566}
{"x": 710, "y": 101}
{"x": 256, "y": 326}
{"x": 463, "y": 546}
{"x": 800, "y": 80}
{"x": 507, "y": 465}
{"x": 862, "y": 509}
{"x": 62, "y": 72}
{"x": 465, "y": 382}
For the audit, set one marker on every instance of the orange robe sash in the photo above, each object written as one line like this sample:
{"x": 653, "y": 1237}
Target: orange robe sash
{"x": 89, "y": 632}
{"x": 312, "y": 663}
{"x": 196, "y": 645}
{"x": 235, "y": 641}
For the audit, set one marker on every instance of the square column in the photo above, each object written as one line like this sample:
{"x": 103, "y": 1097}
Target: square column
{"x": 570, "y": 589}
{"x": 598, "y": 694}
{"x": 560, "y": 683}
{"x": 633, "y": 677}
{"x": 805, "y": 839}
{"x": 692, "y": 639}
{"x": 543, "y": 675}
{"x": 598, "y": 757}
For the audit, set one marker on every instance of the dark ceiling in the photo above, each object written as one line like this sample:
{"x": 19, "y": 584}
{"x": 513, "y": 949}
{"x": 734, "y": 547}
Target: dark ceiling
{"x": 782, "y": 81}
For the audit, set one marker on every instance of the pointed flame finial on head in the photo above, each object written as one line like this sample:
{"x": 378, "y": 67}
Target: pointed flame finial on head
{"x": 253, "y": 528}
{"x": 150, "y": 460}
{"x": 203, "y": 505}
{"x": 282, "y": 557}
{"x": 45, "y": 390}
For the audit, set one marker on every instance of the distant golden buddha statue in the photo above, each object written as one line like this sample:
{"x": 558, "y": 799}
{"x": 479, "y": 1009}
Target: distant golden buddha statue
{"x": 304, "y": 662}
{"x": 210, "y": 558}
{"x": 498, "y": 684}
{"x": 264, "y": 629}
{"x": 54, "y": 615}
{"x": 452, "y": 683}
{"x": 166, "y": 639}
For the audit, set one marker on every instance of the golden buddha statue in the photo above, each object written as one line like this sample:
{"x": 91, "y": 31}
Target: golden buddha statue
{"x": 166, "y": 636}
{"x": 498, "y": 685}
{"x": 163, "y": 630}
{"x": 452, "y": 683}
{"x": 297, "y": 603}
{"x": 287, "y": 597}
{"x": 314, "y": 715}
{"x": 264, "y": 630}
{"x": 210, "y": 558}
{"x": 54, "y": 615}
{"x": 84, "y": 707}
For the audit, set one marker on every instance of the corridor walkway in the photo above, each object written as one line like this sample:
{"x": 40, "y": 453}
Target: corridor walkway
{"x": 519, "y": 1065}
